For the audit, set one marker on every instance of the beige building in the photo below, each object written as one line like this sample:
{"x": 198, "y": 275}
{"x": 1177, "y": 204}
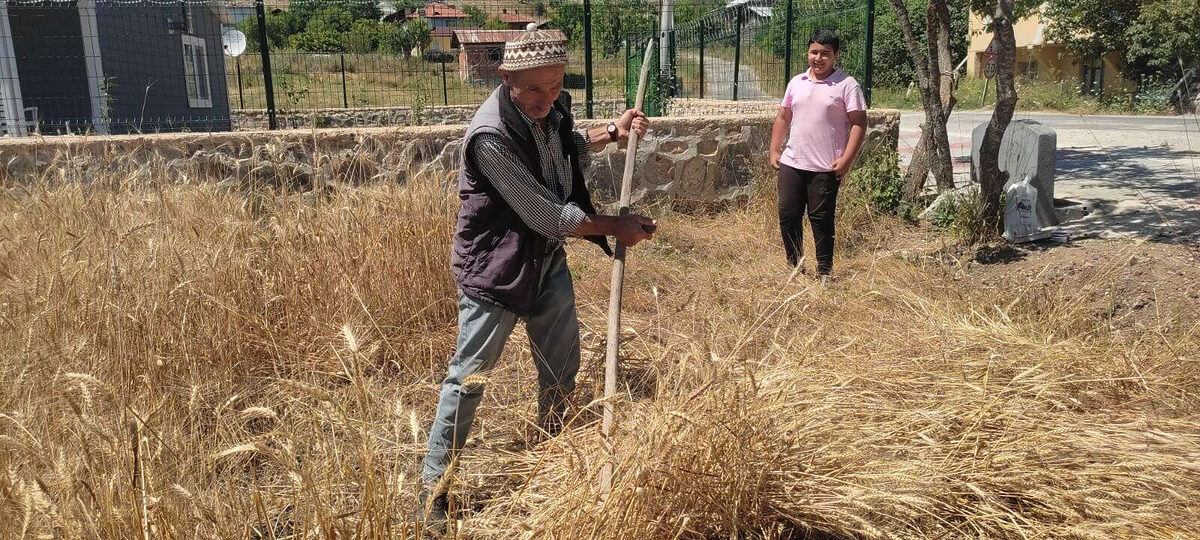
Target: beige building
{"x": 1039, "y": 58}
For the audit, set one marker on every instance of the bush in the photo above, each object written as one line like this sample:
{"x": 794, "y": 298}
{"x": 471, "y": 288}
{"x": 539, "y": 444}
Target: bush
{"x": 364, "y": 36}
{"x": 876, "y": 184}
{"x": 395, "y": 39}
{"x": 307, "y": 10}
{"x": 317, "y": 42}
{"x": 961, "y": 215}
{"x": 438, "y": 57}
{"x": 330, "y": 19}
{"x": 280, "y": 28}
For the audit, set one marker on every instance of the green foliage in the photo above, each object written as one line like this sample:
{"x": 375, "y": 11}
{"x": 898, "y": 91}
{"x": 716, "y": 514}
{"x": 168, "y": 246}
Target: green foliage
{"x": 306, "y": 10}
{"x": 325, "y": 31}
{"x": 320, "y": 41}
{"x": 848, "y": 19}
{"x": 330, "y": 19}
{"x": 1021, "y": 8}
{"x": 686, "y": 12}
{"x": 1165, "y": 33}
{"x": 294, "y": 92}
{"x": 395, "y": 39}
{"x": 1043, "y": 94}
{"x": 279, "y": 28}
{"x": 476, "y": 17}
{"x": 892, "y": 64}
{"x": 961, "y": 215}
{"x": 615, "y": 20}
{"x": 364, "y": 36}
{"x": 568, "y": 17}
{"x": 419, "y": 34}
{"x": 494, "y": 23}
{"x": 876, "y": 183}
{"x": 1150, "y": 36}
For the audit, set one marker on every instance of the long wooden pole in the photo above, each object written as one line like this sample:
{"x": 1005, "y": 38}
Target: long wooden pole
{"x": 614, "y": 296}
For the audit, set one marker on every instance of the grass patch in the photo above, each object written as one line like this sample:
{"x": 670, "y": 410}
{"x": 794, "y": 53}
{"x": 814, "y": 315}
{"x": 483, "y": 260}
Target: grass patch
{"x": 1039, "y": 95}
{"x": 315, "y": 81}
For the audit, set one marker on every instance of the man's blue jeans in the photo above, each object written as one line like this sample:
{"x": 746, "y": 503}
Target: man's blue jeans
{"x": 483, "y": 328}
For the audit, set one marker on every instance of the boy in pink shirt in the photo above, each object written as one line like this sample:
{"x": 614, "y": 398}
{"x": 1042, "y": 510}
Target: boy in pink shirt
{"x": 822, "y": 120}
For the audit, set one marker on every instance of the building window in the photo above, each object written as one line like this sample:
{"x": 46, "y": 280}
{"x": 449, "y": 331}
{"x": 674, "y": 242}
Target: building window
{"x": 1093, "y": 77}
{"x": 494, "y": 54}
{"x": 195, "y": 72}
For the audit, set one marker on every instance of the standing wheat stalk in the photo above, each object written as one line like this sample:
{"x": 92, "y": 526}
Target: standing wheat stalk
{"x": 614, "y": 297}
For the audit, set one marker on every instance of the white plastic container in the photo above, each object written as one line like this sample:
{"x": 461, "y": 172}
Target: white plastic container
{"x": 1020, "y": 213}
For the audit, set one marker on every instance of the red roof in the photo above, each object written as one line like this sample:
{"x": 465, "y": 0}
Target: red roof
{"x": 478, "y": 37}
{"x": 438, "y": 11}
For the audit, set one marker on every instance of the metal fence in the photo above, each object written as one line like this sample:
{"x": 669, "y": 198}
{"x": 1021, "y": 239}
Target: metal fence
{"x": 122, "y": 66}
{"x": 748, "y": 50}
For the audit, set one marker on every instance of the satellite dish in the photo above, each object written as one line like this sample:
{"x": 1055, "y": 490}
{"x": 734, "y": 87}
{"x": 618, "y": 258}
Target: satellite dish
{"x": 234, "y": 42}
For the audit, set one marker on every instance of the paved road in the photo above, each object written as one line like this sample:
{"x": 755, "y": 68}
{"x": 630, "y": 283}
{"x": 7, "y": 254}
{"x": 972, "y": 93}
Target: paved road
{"x": 718, "y": 80}
{"x": 1139, "y": 174}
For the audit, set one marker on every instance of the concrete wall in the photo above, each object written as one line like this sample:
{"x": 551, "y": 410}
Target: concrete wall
{"x": 701, "y": 159}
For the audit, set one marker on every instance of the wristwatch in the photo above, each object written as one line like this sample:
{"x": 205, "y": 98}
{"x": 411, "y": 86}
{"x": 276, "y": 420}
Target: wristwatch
{"x": 612, "y": 131}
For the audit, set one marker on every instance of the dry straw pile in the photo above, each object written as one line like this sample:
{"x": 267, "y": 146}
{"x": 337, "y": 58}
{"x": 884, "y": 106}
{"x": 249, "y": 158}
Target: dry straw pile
{"x": 200, "y": 361}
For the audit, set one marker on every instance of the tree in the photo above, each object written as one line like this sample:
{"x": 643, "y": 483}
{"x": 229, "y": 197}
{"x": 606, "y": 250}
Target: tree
{"x": 934, "y": 67}
{"x": 280, "y": 27}
{"x": 539, "y": 8}
{"x": 317, "y": 41}
{"x": 1166, "y": 33}
{"x": 364, "y": 36}
{"x": 420, "y": 34}
{"x": 494, "y": 23}
{"x": 937, "y": 84}
{"x": 890, "y": 57}
{"x": 396, "y": 39}
{"x": 1150, "y": 37}
{"x": 991, "y": 180}
{"x": 476, "y": 17}
{"x": 304, "y": 10}
{"x": 616, "y": 20}
{"x": 568, "y": 17}
{"x": 331, "y": 19}
{"x": 805, "y": 20}
{"x": 325, "y": 31}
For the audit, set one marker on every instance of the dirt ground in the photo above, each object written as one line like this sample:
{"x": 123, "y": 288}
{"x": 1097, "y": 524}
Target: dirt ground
{"x": 1129, "y": 283}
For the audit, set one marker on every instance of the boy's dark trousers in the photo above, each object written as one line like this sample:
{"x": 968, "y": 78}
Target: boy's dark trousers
{"x": 814, "y": 193}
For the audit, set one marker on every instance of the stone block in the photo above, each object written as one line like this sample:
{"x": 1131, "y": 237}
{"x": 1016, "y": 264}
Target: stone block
{"x": 1027, "y": 148}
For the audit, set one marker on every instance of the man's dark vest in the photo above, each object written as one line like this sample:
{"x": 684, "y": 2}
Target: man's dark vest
{"x": 497, "y": 258}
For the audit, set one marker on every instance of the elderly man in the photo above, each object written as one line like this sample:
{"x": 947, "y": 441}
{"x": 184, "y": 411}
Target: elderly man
{"x": 522, "y": 194}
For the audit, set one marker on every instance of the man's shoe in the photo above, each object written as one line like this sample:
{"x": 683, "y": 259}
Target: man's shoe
{"x": 430, "y": 512}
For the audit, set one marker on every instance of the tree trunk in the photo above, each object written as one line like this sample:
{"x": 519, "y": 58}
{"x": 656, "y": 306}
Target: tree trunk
{"x": 991, "y": 180}
{"x": 929, "y": 63}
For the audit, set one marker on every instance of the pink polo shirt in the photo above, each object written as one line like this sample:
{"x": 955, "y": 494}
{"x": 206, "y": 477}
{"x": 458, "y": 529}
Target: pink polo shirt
{"x": 820, "y": 128}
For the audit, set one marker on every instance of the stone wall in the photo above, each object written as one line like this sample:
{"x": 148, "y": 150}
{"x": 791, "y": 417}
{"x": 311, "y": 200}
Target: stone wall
{"x": 883, "y": 125}
{"x": 702, "y": 159}
{"x": 256, "y": 119}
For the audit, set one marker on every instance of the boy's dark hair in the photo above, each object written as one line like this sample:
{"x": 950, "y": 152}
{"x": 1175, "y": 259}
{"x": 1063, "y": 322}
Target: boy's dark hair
{"x": 826, "y": 37}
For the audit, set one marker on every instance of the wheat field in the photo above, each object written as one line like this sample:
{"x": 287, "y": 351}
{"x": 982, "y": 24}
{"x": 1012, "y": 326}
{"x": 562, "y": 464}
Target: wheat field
{"x": 193, "y": 360}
